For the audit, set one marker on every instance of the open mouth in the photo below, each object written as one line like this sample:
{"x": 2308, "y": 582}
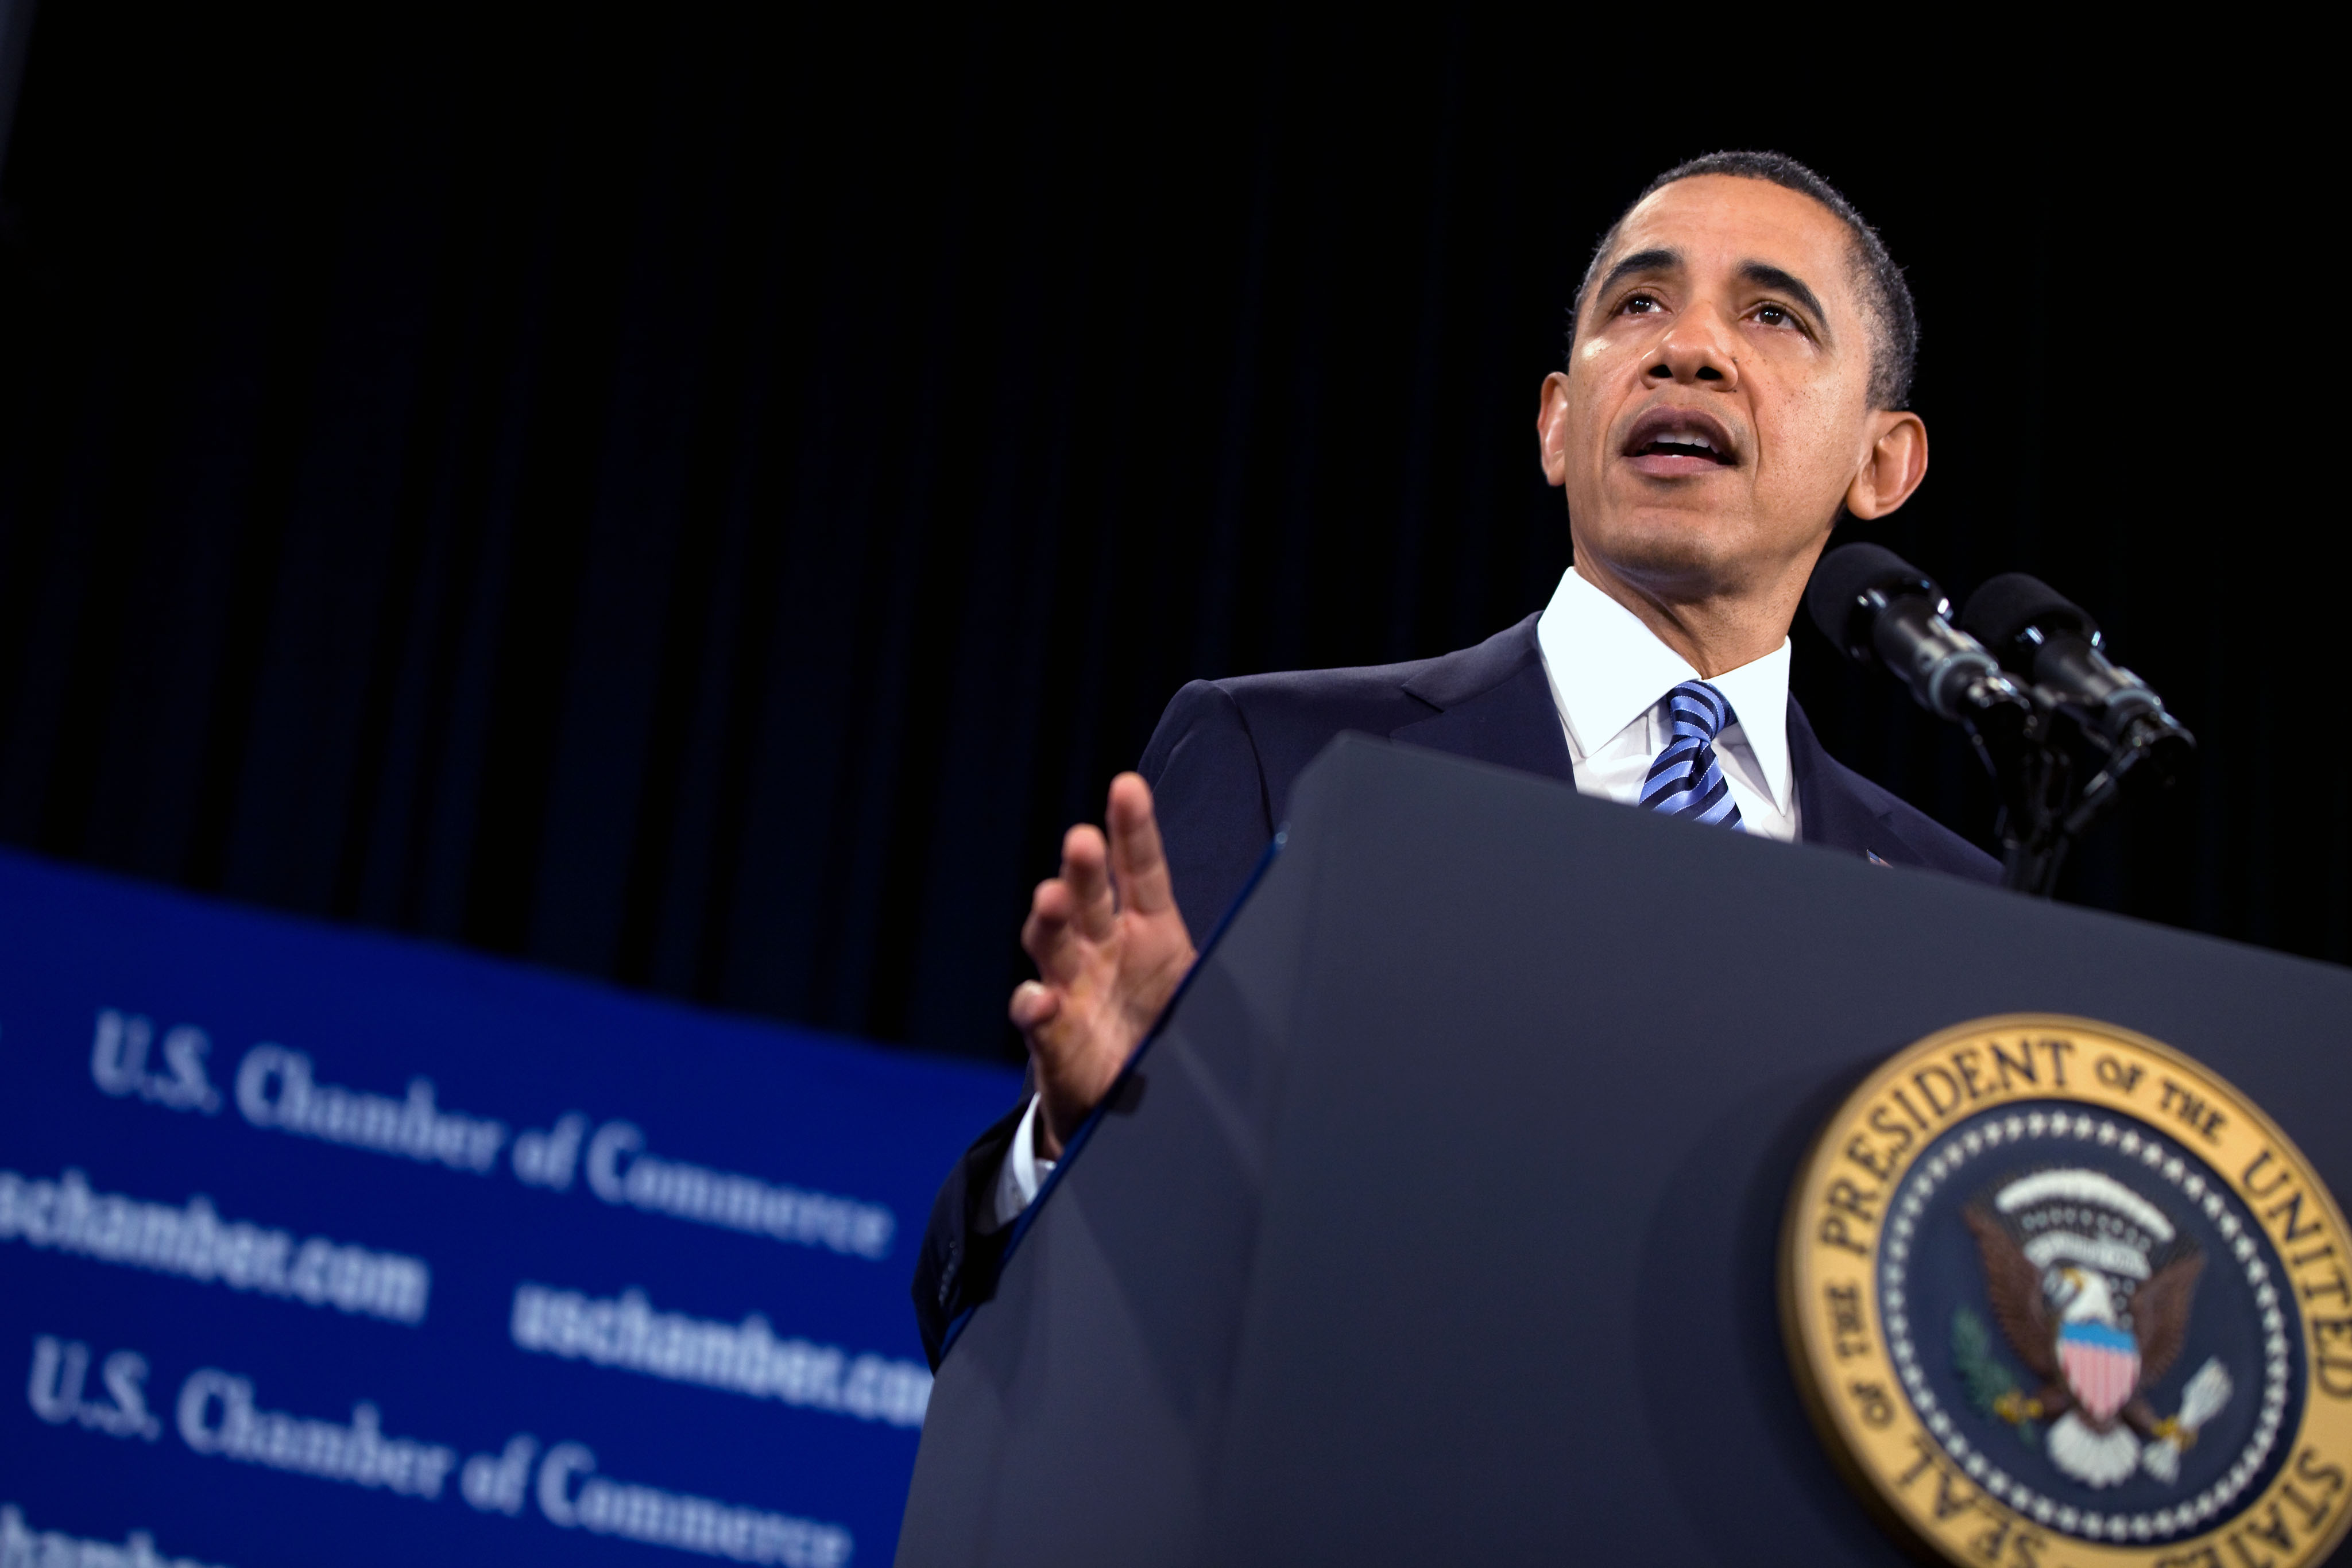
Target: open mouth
{"x": 1666, "y": 441}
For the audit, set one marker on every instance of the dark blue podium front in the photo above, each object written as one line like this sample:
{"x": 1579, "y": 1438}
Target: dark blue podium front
{"x": 1439, "y": 1221}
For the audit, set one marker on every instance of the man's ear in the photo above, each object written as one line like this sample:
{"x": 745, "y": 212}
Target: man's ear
{"x": 1892, "y": 468}
{"x": 1551, "y": 428}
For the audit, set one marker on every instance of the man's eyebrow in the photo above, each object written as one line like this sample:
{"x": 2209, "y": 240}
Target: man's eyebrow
{"x": 1655, "y": 259}
{"x": 1764, "y": 275}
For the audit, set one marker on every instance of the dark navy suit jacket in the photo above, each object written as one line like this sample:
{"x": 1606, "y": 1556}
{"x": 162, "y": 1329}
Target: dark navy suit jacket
{"x": 1221, "y": 766}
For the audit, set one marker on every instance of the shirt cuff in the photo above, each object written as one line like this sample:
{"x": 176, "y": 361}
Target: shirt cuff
{"x": 1021, "y": 1174}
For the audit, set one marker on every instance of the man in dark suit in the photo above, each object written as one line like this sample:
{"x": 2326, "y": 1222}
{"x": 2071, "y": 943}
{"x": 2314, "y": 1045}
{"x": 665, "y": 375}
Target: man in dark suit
{"x": 1737, "y": 380}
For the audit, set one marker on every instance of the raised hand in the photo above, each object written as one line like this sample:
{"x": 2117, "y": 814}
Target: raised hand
{"x": 1110, "y": 947}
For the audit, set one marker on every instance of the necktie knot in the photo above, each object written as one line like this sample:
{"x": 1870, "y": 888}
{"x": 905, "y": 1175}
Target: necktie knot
{"x": 1685, "y": 780}
{"x": 1697, "y": 711}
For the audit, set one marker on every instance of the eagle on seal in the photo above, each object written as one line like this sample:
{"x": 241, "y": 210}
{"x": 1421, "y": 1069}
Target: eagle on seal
{"x": 2091, "y": 1287}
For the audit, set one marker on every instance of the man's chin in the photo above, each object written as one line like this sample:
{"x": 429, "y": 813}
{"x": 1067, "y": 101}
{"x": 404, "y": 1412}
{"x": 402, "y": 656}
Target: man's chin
{"x": 1678, "y": 551}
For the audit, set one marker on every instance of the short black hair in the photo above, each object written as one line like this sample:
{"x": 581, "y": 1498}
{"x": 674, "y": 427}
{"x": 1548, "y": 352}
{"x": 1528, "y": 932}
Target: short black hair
{"x": 1887, "y": 298}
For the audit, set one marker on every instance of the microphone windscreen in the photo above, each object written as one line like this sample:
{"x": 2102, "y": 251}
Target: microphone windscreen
{"x": 1848, "y": 572}
{"x": 2006, "y": 605}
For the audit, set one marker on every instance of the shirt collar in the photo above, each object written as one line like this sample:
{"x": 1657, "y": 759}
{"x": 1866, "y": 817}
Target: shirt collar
{"x": 1607, "y": 670}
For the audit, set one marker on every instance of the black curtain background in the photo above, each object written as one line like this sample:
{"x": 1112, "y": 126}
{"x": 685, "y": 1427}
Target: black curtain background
{"x": 702, "y": 500}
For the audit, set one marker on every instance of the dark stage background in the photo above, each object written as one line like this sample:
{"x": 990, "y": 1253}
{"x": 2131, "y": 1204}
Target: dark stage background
{"x": 703, "y": 502}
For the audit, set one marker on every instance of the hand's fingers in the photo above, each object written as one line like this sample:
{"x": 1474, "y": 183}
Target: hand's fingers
{"x": 1135, "y": 855}
{"x": 1039, "y": 1013}
{"x": 1033, "y": 1006}
{"x": 1046, "y": 935}
{"x": 1086, "y": 867}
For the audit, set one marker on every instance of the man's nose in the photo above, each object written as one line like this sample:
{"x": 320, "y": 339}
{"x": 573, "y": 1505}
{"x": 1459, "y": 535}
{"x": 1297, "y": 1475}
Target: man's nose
{"x": 1695, "y": 350}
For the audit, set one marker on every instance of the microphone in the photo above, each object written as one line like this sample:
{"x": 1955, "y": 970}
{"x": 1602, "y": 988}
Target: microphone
{"x": 2047, "y": 639}
{"x": 1874, "y": 605}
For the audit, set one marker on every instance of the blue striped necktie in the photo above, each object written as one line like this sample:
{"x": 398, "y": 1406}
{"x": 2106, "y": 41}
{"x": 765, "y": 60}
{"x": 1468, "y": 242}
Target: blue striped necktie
{"x": 1685, "y": 780}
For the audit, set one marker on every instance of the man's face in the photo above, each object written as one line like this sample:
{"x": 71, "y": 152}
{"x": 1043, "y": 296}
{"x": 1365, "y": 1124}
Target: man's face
{"x": 1716, "y": 411}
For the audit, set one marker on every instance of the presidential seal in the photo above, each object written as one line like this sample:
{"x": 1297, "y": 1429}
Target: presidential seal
{"x": 2056, "y": 1295}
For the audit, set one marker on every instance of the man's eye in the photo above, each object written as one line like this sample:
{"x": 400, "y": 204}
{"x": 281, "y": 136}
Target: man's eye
{"x": 1640, "y": 305}
{"x": 1774, "y": 316}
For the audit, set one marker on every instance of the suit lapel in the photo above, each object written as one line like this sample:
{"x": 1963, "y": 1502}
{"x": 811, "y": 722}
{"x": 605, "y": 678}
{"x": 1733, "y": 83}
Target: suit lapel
{"x": 1494, "y": 706}
{"x": 1832, "y": 813}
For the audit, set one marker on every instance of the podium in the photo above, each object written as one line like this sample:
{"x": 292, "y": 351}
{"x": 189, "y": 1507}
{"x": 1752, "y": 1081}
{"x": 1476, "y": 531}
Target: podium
{"x": 1439, "y": 1221}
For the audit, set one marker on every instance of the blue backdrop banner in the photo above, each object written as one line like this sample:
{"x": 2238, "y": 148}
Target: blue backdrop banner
{"x": 317, "y": 1245}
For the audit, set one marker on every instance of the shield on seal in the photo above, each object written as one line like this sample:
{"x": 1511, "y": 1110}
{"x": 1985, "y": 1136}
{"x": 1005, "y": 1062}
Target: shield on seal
{"x": 2102, "y": 1366}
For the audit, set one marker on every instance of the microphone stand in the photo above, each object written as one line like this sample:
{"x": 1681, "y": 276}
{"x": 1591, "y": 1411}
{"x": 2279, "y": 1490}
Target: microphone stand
{"x": 2043, "y": 810}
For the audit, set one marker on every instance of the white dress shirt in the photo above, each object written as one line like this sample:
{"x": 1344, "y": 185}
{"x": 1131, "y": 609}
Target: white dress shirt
{"x": 1610, "y": 677}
